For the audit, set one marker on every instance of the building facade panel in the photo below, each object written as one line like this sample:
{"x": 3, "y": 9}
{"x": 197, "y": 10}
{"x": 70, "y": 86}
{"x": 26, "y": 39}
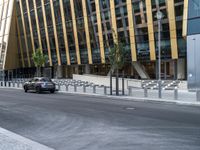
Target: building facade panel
{"x": 74, "y": 33}
{"x": 22, "y": 9}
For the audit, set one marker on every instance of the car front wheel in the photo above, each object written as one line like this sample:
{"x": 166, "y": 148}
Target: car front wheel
{"x": 52, "y": 91}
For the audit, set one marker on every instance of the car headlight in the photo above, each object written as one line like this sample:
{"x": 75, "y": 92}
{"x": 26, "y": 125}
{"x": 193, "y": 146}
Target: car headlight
{"x": 43, "y": 85}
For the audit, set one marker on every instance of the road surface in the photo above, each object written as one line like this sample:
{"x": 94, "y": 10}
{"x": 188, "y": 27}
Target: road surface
{"x": 77, "y": 122}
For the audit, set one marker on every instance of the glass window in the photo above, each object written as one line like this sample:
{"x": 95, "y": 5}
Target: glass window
{"x": 193, "y": 26}
{"x": 194, "y": 8}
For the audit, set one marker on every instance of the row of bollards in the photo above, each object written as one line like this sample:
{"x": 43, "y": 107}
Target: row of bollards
{"x": 11, "y": 84}
{"x": 84, "y": 88}
{"x": 130, "y": 92}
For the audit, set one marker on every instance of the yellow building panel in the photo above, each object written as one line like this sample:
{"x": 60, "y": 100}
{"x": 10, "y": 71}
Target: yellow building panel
{"x": 113, "y": 19}
{"x": 37, "y": 23}
{"x": 100, "y": 33}
{"x": 131, "y": 30}
{"x": 172, "y": 27}
{"x": 30, "y": 26}
{"x": 55, "y": 32}
{"x": 185, "y": 17}
{"x": 46, "y": 29}
{"x": 20, "y": 43}
{"x": 75, "y": 32}
{"x": 65, "y": 32}
{"x": 25, "y": 36}
{"x": 150, "y": 30}
{"x": 87, "y": 33}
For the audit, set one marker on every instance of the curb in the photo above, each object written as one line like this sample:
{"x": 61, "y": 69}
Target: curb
{"x": 137, "y": 99}
{"x": 128, "y": 98}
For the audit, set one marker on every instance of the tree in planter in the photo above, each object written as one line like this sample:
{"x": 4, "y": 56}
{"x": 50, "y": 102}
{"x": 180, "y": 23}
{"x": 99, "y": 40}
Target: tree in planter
{"x": 39, "y": 60}
{"x": 117, "y": 56}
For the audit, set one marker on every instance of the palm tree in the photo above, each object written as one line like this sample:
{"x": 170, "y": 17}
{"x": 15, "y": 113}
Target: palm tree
{"x": 117, "y": 56}
{"x": 39, "y": 60}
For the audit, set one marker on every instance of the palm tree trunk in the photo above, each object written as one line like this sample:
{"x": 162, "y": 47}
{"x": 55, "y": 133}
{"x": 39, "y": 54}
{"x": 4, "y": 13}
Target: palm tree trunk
{"x": 38, "y": 71}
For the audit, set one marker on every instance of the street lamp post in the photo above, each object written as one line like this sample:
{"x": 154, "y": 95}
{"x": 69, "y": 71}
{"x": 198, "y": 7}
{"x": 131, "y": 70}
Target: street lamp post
{"x": 159, "y": 16}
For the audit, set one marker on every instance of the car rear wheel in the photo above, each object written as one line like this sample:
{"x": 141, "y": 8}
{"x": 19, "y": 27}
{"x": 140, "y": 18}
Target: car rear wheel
{"x": 25, "y": 89}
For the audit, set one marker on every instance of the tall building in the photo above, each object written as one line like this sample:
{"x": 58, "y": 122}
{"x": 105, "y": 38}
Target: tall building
{"x": 193, "y": 44}
{"x": 77, "y": 35}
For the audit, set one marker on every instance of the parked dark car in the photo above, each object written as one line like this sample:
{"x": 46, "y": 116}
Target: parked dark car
{"x": 40, "y": 84}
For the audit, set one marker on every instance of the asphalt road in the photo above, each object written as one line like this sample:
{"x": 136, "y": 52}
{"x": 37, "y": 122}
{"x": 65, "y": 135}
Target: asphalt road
{"x": 76, "y": 122}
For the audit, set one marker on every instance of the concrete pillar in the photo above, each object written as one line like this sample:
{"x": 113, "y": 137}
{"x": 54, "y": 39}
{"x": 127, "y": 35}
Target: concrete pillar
{"x": 47, "y": 72}
{"x": 66, "y": 72}
{"x": 132, "y": 71}
{"x": 171, "y": 69}
{"x": 87, "y": 69}
{"x": 69, "y": 71}
{"x": 76, "y": 70}
{"x": 59, "y": 72}
{"x": 181, "y": 69}
{"x": 140, "y": 70}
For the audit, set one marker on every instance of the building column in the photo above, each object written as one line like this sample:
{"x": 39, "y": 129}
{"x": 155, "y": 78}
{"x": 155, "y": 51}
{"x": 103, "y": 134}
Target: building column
{"x": 76, "y": 69}
{"x": 67, "y": 71}
{"x": 181, "y": 69}
{"x": 59, "y": 72}
{"x": 87, "y": 69}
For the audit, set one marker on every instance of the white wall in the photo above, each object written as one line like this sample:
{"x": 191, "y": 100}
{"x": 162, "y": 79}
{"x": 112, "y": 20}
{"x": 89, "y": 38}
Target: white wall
{"x": 105, "y": 80}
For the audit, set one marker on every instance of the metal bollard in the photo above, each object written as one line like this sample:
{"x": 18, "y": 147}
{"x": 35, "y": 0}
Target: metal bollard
{"x": 5, "y": 83}
{"x": 9, "y": 84}
{"x": 198, "y": 95}
{"x": 13, "y": 84}
{"x": 130, "y": 91}
{"x": 84, "y": 88}
{"x": 18, "y": 84}
{"x": 67, "y": 87}
{"x": 75, "y": 88}
{"x": 145, "y": 92}
{"x": 175, "y": 93}
{"x": 105, "y": 90}
{"x": 94, "y": 88}
{"x": 58, "y": 87}
{"x": 1, "y": 83}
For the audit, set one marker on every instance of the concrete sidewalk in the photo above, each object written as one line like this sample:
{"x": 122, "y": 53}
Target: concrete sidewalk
{"x": 131, "y": 98}
{"x": 12, "y": 141}
{"x": 185, "y": 97}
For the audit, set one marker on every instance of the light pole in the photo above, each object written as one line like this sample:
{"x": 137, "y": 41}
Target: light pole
{"x": 159, "y": 16}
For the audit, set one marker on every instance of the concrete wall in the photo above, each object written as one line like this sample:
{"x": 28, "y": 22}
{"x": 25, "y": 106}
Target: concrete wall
{"x": 105, "y": 80}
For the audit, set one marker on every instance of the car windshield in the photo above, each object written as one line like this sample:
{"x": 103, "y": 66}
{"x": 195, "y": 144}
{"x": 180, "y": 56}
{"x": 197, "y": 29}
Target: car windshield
{"x": 45, "y": 80}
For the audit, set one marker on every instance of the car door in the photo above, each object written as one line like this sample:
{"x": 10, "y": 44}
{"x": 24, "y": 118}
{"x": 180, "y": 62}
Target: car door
{"x": 32, "y": 84}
